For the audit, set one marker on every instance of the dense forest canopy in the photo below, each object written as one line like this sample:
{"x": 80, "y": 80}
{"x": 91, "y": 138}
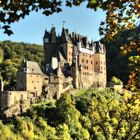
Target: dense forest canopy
{"x": 88, "y": 115}
{"x": 123, "y": 59}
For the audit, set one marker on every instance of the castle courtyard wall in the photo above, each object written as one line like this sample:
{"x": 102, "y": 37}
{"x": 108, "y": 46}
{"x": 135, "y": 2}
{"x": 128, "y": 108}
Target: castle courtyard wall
{"x": 9, "y": 98}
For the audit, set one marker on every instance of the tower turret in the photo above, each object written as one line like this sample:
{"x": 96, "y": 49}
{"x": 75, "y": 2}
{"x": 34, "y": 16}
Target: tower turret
{"x": 53, "y": 38}
{"x": 65, "y": 36}
{"x": 100, "y": 63}
{"x": 46, "y": 37}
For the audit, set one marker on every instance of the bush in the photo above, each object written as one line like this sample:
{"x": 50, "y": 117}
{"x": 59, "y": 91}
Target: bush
{"x": 116, "y": 81}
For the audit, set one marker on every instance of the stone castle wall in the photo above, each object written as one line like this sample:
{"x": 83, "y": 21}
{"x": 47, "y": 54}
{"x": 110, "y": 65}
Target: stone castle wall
{"x": 9, "y": 98}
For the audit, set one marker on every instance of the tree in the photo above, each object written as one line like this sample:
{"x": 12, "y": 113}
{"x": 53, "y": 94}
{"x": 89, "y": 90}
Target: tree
{"x": 68, "y": 114}
{"x": 116, "y": 81}
{"x": 110, "y": 116}
{"x": 125, "y": 65}
{"x": 95, "y": 114}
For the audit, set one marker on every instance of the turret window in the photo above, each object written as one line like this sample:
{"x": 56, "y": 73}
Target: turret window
{"x": 25, "y": 69}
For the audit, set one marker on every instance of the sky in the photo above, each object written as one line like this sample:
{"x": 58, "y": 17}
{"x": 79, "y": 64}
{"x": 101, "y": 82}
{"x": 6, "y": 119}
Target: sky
{"x": 77, "y": 19}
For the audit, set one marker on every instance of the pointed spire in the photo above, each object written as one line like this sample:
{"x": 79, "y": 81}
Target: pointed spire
{"x": 63, "y": 24}
{"x": 53, "y": 35}
{"x": 46, "y": 34}
{"x": 65, "y": 36}
{"x": 46, "y": 37}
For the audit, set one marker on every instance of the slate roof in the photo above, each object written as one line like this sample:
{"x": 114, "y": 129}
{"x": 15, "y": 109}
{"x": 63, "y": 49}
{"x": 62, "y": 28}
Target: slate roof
{"x": 46, "y": 34}
{"x": 65, "y": 36}
{"x": 32, "y": 67}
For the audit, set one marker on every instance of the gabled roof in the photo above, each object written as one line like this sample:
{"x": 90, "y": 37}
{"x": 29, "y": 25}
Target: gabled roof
{"x": 65, "y": 36}
{"x": 31, "y": 67}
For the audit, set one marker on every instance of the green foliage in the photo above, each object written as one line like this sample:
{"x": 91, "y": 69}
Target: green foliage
{"x": 98, "y": 115}
{"x": 123, "y": 57}
{"x": 116, "y": 81}
{"x": 6, "y": 132}
{"x": 1, "y": 55}
{"x": 14, "y": 53}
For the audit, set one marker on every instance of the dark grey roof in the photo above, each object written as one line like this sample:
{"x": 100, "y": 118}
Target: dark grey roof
{"x": 32, "y": 67}
{"x": 61, "y": 57}
{"x": 99, "y": 48}
{"x": 65, "y": 36}
{"x": 46, "y": 34}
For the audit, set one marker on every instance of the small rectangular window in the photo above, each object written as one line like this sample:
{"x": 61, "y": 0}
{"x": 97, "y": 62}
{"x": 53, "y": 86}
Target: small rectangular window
{"x": 25, "y": 69}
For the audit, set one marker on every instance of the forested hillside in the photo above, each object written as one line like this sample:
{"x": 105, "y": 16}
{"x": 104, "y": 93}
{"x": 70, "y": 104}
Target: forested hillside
{"x": 122, "y": 55}
{"x": 11, "y": 56}
{"x": 91, "y": 115}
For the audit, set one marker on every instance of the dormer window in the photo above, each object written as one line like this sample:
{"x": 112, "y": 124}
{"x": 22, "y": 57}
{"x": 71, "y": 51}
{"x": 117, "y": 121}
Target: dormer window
{"x": 25, "y": 69}
{"x": 46, "y": 40}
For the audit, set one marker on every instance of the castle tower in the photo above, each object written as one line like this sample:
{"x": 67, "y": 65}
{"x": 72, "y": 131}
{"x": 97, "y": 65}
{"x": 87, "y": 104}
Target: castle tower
{"x": 76, "y": 75}
{"x": 60, "y": 81}
{"x": 30, "y": 78}
{"x": 100, "y": 64}
{"x": 66, "y": 45}
{"x": 53, "y": 38}
{"x": 50, "y": 47}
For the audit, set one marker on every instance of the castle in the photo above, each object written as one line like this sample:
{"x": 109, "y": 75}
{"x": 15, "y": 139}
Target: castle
{"x": 70, "y": 61}
{"x": 78, "y": 58}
